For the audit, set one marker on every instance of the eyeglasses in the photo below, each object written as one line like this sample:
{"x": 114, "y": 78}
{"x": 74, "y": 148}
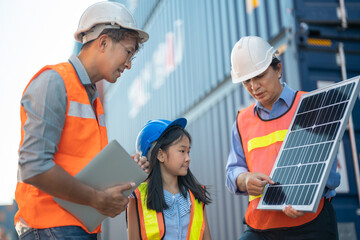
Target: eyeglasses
{"x": 130, "y": 54}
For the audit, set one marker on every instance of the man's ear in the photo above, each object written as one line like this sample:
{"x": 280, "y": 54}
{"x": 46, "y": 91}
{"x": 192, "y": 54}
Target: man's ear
{"x": 103, "y": 42}
{"x": 279, "y": 70}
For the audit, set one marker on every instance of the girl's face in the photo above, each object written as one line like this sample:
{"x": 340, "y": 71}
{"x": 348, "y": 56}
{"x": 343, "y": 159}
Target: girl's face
{"x": 176, "y": 160}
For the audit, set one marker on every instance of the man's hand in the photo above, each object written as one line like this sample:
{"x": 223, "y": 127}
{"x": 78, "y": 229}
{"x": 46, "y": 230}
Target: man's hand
{"x": 112, "y": 202}
{"x": 253, "y": 182}
{"x": 291, "y": 212}
{"x": 142, "y": 162}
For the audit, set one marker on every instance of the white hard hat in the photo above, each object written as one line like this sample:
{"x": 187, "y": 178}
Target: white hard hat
{"x": 250, "y": 57}
{"x": 102, "y": 15}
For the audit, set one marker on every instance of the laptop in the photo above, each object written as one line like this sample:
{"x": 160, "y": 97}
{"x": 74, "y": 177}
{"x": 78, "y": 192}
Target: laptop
{"x": 110, "y": 167}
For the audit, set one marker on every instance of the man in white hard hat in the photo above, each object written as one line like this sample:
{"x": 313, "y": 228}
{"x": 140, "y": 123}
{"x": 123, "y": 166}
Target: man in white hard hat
{"x": 63, "y": 127}
{"x": 257, "y": 135}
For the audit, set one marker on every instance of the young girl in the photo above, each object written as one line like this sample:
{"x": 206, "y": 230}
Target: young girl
{"x": 170, "y": 204}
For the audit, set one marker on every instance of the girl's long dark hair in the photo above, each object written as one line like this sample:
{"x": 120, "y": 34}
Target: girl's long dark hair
{"x": 155, "y": 195}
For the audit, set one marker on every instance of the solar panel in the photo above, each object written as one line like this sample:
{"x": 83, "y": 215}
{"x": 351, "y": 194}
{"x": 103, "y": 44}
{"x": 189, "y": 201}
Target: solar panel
{"x": 309, "y": 148}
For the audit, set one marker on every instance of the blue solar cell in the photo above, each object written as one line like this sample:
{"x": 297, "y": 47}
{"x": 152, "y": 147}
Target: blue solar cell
{"x": 331, "y": 113}
{"x": 313, "y": 102}
{"x": 305, "y": 120}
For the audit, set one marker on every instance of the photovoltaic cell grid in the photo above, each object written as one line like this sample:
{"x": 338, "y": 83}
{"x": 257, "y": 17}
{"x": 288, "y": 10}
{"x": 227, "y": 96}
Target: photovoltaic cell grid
{"x": 309, "y": 148}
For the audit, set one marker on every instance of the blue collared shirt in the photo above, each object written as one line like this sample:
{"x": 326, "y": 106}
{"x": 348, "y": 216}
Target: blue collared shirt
{"x": 236, "y": 163}
{"x": 177, "y": 216}
{"x": 45, "y": 104}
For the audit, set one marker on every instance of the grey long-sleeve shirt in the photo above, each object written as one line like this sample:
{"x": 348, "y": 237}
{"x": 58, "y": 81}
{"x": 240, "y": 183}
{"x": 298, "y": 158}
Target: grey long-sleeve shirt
{"x": 45, "y": 103}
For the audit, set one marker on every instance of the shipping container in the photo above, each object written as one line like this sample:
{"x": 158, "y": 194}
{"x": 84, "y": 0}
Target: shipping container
{"x": 184, "y": 71}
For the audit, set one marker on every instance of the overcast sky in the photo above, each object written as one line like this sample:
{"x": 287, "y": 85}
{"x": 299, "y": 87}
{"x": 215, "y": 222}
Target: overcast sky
{"x": 33, "y": 34}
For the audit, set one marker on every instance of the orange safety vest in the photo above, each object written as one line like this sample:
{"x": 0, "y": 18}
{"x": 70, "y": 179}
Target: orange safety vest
{"x": 261, "y": 141}
{"x": 152, "y": 222}
{"x": 83, "y": 136}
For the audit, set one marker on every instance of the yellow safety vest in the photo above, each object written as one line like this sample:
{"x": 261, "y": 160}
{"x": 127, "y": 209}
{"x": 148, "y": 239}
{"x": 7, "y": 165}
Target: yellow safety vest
{"x": 152, "y": 222}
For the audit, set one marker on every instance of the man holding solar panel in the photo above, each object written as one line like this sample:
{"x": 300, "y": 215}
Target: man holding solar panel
{"x": 257, "y": 135}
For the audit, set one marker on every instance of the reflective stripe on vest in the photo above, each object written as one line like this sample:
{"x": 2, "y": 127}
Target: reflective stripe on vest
{"x": 264, "y": 141}
{"x": 82, "y": 137}
{"x": 252, "y": 197}
{"x": 152, "y": 222}
{"x": 82, "y": 110}
{"x": 77, "y": 109}
{"x": 261, "y": 142}
{"x": 102, "y": 120}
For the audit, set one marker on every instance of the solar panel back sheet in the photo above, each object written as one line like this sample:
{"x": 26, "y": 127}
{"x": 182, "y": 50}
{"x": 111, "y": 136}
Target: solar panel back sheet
{"x": 307, "y": 154}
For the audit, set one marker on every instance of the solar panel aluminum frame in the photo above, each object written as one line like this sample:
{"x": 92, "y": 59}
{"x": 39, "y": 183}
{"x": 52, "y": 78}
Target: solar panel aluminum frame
{"x": 312, "y": 207}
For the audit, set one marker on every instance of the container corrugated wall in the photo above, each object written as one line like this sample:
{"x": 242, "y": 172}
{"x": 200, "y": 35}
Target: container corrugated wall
{"x": 184, "y": 70}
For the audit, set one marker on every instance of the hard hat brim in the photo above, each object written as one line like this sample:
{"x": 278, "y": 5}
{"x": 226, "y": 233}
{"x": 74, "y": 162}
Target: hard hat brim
{"x": 236, "y": 79}
{"x": 180, "y": 121}
{"x": 144, "y": 36}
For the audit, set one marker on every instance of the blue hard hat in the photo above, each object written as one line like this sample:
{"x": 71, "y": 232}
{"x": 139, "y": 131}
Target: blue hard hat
{"x": 151, "y": 132}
